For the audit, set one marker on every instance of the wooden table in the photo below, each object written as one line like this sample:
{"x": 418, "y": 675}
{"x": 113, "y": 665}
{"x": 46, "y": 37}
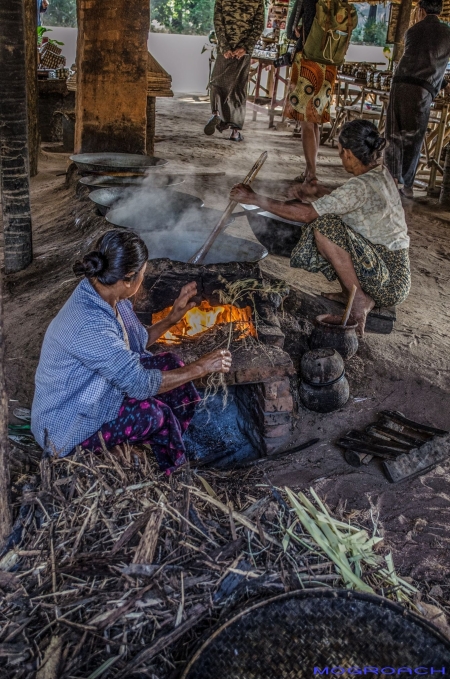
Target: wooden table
{"x": 268, "y": 103}
{"x": 350, "y": 103}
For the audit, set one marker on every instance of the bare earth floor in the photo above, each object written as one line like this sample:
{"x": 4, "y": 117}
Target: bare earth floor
{"x": 407, "y": 370}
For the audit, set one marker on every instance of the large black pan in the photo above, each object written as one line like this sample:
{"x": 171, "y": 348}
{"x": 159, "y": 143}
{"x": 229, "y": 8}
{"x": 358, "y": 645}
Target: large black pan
{"x": 142, "y": 200}
{"x": 178, "y": 237}
{"x": 117, "y": 162}
{"x": 151, "y": 181}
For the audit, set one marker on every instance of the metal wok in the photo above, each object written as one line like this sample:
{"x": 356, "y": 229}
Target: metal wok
{"x": 116, "y": 162}
{"x": 180, "y": 239}
{"x": 278, "y": 235}
{"x": 155, "y": 181}
{"x": 140, "y": 200}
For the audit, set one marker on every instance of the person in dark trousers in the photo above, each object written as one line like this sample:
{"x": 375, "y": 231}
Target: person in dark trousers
{"x": 417, "y": 81}
{"x": 238, "y": 26}
{"x": 42, "y": 6}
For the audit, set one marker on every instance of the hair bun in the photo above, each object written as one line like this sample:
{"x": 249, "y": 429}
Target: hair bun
{"x": 94, "y": 264}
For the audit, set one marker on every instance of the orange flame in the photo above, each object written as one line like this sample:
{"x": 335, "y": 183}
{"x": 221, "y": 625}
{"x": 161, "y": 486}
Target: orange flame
{"x": 201, "y": 318}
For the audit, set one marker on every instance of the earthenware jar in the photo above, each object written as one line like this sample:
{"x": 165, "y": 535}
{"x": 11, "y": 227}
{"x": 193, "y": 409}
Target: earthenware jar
{"x": 328, "y": 332}
{"x": 323, "y": 387}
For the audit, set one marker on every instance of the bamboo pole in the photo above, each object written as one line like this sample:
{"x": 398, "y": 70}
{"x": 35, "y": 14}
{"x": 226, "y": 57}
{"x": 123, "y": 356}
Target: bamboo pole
{"x": 200, "y": 255}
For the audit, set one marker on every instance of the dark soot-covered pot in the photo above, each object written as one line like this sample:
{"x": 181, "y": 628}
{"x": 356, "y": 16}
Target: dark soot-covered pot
{"x": 279, "y": 236}
{"x": 328, "y": 332}
{"x": 323, "y": 386}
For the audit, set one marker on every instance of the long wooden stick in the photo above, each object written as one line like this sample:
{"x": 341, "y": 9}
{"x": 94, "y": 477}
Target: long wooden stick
{"x": 348, "y": 308}
{"x": 200, "y": 255}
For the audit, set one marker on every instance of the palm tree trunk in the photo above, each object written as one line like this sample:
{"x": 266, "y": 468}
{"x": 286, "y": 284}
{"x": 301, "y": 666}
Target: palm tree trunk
{"x": 14, "y": 163}
{"x": 5, "y": 507}
{"x": 32, "y": 86}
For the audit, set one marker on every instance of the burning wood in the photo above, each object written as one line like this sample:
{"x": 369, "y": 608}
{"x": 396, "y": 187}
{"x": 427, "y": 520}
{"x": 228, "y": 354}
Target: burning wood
{"x": 201, "y": 318}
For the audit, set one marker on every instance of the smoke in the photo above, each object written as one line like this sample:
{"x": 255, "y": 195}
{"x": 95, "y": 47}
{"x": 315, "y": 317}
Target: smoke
{"x": 175, "y": 225}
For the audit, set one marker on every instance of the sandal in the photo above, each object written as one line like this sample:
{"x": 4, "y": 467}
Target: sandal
{"x": 212, "y": 124}
{"x": 238, "y": 138}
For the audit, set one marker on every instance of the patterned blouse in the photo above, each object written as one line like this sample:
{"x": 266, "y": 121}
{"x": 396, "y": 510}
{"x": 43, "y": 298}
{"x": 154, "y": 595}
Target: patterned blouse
{"x": 370, "y": 204}
{"x": 86, "y": 369}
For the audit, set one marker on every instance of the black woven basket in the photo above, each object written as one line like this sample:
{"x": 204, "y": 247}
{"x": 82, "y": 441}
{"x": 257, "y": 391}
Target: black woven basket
{"x": 321, "y": 632}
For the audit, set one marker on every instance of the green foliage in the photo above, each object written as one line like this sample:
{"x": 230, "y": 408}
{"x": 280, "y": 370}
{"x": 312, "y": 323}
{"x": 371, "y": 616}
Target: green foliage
{"x": 193, "y": 17}
{"x": 40, "y": 34}
{"x": 174, "y": 16}
{"x": 61, "y": 13}
{"x": 370, "y": 33}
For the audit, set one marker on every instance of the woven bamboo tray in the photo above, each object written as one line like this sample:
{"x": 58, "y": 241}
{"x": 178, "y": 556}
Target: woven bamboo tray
{"x": 288, "y": 636}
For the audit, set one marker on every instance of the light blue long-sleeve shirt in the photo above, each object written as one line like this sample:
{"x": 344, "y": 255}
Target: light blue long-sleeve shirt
{"x": 85, "y": 370}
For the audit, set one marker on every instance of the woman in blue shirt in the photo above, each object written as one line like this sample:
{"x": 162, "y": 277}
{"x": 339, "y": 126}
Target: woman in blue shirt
{"x": 96, "y": 383}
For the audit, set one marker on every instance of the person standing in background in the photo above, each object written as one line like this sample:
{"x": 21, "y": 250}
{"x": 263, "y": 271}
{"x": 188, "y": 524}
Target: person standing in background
{"x": 238, "y": 26}
{"x": 416, "y": 82}
{"x": 42, "y": 6}
{"x": 323, "y": 39}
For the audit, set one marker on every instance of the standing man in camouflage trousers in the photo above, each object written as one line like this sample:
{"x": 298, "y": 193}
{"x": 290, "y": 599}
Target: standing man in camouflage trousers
{"x": 238, "y": 25}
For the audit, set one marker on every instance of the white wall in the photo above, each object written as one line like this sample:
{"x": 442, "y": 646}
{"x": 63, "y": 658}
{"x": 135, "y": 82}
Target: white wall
{"x": 181, "y": 56}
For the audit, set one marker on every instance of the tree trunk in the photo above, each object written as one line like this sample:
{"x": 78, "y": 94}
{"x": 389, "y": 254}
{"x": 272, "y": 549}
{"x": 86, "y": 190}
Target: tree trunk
{"x": 112, "y": 57}
{"x": 5, "y": 507}
{"x": 15, "y": 184}
{"x": 403, "y": 21}
{"x": 32, "y": 87}
{"x": 372, "y": 14}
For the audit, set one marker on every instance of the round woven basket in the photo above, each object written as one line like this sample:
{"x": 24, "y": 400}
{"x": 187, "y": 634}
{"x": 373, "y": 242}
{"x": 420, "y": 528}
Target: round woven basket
{"x": 321, "y": 632}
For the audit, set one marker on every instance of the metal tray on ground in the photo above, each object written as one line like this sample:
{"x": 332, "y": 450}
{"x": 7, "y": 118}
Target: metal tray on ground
{"x": 132, "y": 163}
{"x": 178, "y": 237}
{"x": 141, "y": 200}
{"x": 151, "y": 181}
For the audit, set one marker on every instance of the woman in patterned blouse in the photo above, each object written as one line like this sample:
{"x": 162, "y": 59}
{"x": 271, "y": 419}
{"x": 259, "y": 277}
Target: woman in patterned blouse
{"x": 356, "y": 233}
{"x": 96, "y": 383}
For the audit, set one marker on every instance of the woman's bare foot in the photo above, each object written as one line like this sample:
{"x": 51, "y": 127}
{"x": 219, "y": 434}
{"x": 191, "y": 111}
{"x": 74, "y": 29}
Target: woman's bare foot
{"x": 341, "y": 296}
{"x": 361, "y": 306}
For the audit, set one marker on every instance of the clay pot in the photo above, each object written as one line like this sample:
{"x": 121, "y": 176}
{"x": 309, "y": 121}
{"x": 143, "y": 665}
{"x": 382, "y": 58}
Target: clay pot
{"x": 324, "y": 386}
{"x": 321, "y": 366}
{"x": 328, "y": 332}
{"x": 326, "y": 398}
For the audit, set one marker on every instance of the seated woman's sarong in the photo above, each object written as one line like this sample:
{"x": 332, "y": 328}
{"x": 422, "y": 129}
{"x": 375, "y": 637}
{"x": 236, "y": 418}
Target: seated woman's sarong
{"x": 160, "y": 422}
{"x": 383, "y": 274}
{"x": 310, "y": 91}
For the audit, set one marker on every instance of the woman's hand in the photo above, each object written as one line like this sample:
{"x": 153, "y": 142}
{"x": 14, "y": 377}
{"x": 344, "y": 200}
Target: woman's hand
{"x": 218, "y": 361}
{"x": 241, "y": 193}
{"x": 307, "y": 191}
{"x": 183, "y": 303}
{"x": 228, "y": 54}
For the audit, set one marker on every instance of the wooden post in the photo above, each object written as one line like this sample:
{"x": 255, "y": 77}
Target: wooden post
{"x": 15, "y": 188}
{"x": 404, "y": 18}
{"x": 111, "y": 101}
{"x": 32, "y": 86}
{"x": 5, "y": 506}
{"x": 151, "y": 124}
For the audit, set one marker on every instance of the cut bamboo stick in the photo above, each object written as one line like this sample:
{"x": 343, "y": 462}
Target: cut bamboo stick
{"x": 348, "y": 308}
{"x": 200, "y": 255}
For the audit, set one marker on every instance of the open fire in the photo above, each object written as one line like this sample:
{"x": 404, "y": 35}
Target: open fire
{"x": 201, "y": 318}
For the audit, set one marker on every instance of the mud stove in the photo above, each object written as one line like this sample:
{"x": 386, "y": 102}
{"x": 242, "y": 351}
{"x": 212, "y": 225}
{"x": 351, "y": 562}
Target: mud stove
{"x": 257, "y": 419}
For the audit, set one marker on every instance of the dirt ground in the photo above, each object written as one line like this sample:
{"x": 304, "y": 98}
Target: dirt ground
{"x": 407, "y": 370}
